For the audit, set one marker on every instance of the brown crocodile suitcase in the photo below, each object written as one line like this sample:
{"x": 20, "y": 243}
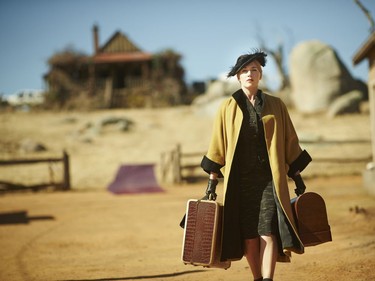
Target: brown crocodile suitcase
{"x": 310, "y": 214}
{"x": 202, "y": 234}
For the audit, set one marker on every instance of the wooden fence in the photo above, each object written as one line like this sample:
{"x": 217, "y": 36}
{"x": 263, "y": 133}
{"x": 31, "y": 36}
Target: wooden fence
{"x": 63, "y": 185}
{"x": 178, "y": 166}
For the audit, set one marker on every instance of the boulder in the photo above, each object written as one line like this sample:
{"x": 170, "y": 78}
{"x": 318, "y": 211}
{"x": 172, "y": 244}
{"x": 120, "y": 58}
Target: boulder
{"x": 214, "y": 89}
{"x": 217, "y": 89}
{"x": 317, "y": 76}
{"x": 31, "y": 146}
{"x": 348, "y": 103}
{"x": 210, "y": 108}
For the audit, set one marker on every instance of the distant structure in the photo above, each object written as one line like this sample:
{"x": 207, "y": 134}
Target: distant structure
{"x": 367, "y": 50}
{"x": 118, "y": 74}
{"x": 26, "y": 97}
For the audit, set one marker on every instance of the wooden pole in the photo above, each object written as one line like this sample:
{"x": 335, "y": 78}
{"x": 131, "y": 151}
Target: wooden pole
{"x": 66, "y": 175}
{"x": 163, "y": 166}
{"x": 178, "y": 163}
{"x": 371, "y": 89}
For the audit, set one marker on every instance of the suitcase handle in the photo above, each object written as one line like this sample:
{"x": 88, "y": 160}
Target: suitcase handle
{"x": 182, "y": 222}
{"x": 210, "y": 195}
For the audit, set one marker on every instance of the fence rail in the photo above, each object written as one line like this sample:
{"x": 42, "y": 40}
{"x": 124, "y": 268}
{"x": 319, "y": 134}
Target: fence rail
{"x": 63, "y": 185}
{"x": 182, "y": 166}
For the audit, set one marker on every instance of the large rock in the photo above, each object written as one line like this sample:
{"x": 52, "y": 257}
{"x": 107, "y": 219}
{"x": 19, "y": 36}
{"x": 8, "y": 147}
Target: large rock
{"x": 348, "y": 103}
{"x": 31, "y": 146}
{"x": 217, "y": 89}
{"x": 317, "y": 76}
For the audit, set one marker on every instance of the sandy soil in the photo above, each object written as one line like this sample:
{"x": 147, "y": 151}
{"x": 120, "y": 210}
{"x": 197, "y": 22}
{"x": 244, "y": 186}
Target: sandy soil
{"x": 91, "y": 234}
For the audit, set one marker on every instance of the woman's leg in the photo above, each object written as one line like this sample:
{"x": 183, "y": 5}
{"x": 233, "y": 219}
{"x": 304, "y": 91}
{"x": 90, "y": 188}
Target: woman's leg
{"x": 268, "y": 255}
{"x": 252, "y": 254}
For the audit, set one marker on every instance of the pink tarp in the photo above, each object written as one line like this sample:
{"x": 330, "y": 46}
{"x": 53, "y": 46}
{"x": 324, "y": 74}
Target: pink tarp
{"x": 139, "y": 178}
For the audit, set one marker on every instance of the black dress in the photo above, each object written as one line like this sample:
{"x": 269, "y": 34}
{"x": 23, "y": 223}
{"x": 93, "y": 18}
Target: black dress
{"x": 257, "y": 204}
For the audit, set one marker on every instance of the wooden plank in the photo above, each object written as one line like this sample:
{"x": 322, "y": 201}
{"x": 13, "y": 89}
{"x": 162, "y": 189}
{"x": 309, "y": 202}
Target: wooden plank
{"x": 342, "y": 160}
{"x": 28, "y": 161}
{"x": 353, "y": 141}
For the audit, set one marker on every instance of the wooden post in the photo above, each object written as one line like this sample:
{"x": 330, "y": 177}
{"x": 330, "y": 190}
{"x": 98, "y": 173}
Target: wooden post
{"x": 178, "y": 163}
{"x": 163, "y": 166}
{"x": 92, "y": 79}
{"x": 108, "y": 93}
{"x": 66, "y": 175}
{"x": 371, "y": 88}
{"x": 367, "y": 50}
{"x": 368, "y": 174}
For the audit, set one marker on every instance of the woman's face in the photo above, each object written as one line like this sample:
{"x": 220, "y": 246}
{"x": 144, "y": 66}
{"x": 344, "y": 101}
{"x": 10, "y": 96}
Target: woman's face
{"x": 250, "y": 75}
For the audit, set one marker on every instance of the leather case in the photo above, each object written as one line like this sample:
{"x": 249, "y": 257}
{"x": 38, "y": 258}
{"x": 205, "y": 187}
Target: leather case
{"x": 310, "y": 214}
{"x": 202, "y": 234}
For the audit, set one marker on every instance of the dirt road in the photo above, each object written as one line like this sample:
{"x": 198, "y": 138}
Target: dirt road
{"x": 95, "y": 235}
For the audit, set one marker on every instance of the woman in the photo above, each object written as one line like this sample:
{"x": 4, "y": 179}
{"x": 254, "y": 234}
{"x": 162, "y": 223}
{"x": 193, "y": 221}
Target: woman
{"x": 254, "y": 146}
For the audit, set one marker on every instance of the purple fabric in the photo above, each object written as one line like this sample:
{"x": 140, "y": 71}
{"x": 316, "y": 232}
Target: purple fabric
{"x": 139, "y": 178}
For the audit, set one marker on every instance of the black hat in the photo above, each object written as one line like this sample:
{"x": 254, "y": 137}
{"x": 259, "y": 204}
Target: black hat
{"x": 243, "y": 60}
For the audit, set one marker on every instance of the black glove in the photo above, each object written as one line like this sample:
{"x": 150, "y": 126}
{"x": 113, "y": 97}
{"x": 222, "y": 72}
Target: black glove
{"x": 211, "y": 190}
{"x": 300, "y": 185}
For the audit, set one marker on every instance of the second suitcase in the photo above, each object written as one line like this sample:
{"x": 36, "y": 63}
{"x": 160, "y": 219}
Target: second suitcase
{"x": 202, "y": 234}
{"x": 310, "y": 213}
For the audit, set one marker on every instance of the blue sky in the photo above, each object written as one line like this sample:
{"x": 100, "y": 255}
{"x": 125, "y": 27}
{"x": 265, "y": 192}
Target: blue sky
{"x": 210, "y": 34}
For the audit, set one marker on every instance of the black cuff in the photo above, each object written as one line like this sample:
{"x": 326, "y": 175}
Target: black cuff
{"x": 299, "y": 164}
{"x": 210, "y": 166}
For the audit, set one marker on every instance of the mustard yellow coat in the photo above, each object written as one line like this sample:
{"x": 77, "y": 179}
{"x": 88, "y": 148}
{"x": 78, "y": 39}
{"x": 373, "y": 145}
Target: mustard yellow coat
{"x": 283, "y": 150}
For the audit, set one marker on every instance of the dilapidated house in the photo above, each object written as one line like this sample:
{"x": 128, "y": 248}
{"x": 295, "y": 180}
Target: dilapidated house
{"x": 117, "y": 74}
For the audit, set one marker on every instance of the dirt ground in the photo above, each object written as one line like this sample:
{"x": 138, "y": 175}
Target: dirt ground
{"x": 89, "y": 233}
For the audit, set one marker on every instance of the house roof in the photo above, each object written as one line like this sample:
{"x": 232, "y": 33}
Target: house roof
{"x": 120, "y": 49}
{"x": 362, "y": 53}
{"x": 121, "y": 57}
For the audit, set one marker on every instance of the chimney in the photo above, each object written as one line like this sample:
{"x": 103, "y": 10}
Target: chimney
{"x": 95, "y": 31}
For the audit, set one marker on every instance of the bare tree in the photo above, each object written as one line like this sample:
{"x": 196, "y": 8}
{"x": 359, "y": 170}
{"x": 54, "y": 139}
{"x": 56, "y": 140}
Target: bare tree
{"x": 278, "y": 56}
{"x": 367, "y": 14}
